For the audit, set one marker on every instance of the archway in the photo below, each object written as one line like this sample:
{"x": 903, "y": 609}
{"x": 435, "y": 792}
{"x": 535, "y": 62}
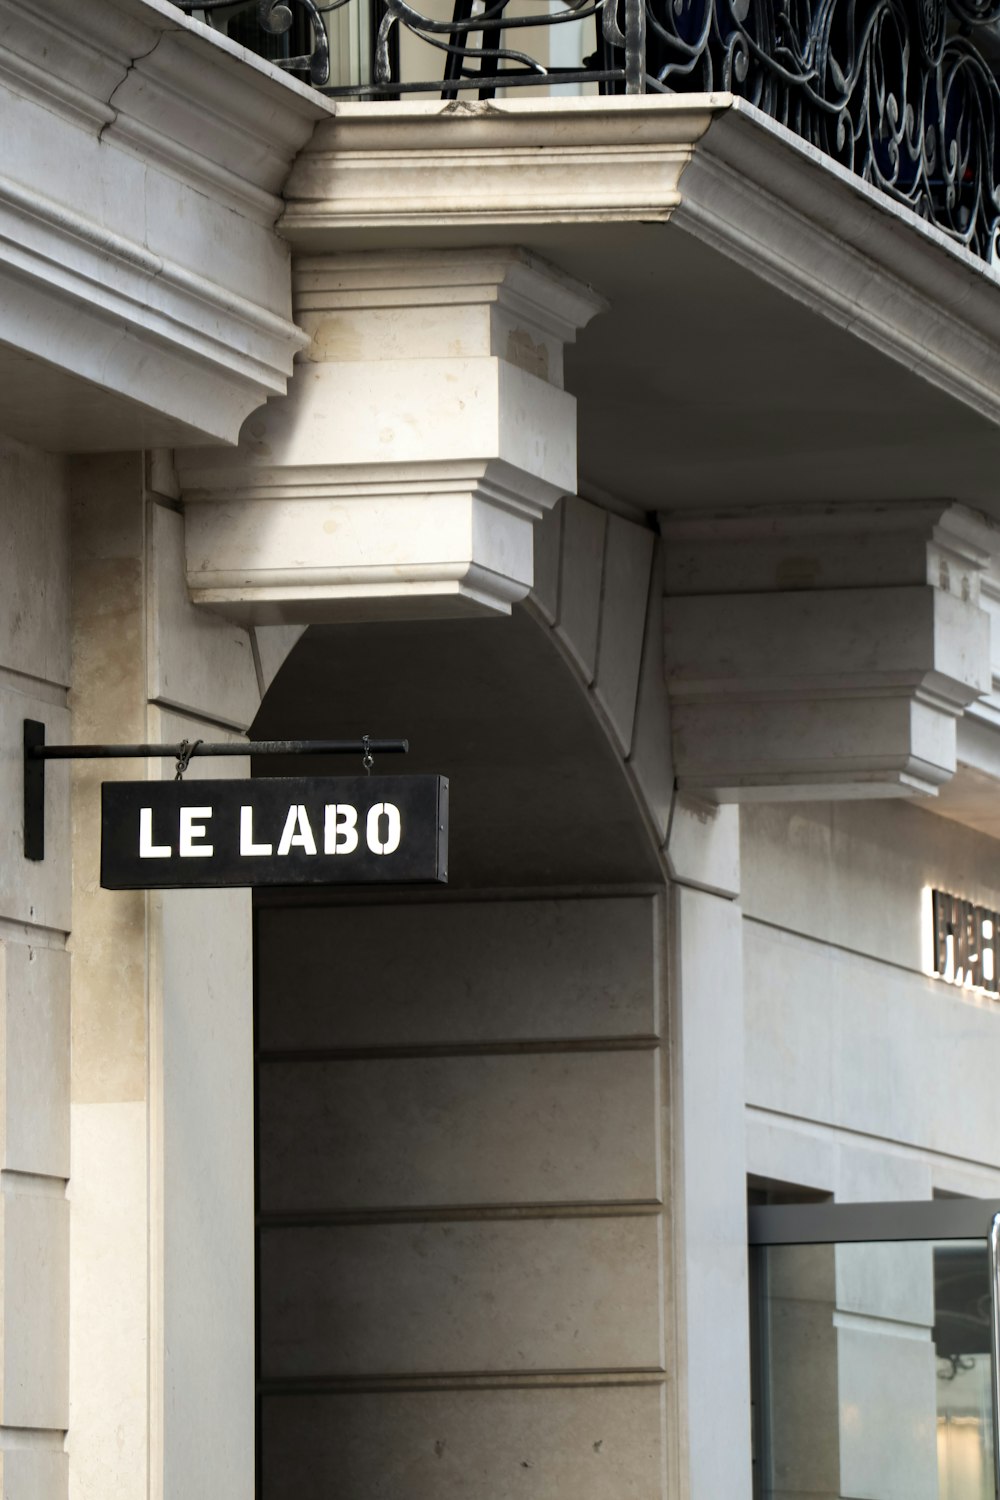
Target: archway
{"x": 460, "y": 1127}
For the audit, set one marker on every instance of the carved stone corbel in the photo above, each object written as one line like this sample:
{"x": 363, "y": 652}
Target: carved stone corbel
{"x": 425, "y": 431}
{"x": 825, "y": 653}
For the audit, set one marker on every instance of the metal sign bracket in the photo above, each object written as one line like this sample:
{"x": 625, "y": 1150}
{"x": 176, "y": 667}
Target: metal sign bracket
{"x": 37, "y": 752}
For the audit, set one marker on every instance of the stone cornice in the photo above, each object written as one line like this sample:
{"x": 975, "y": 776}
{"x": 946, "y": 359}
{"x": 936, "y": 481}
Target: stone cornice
{"x": 90, "y": 267}
{"x": 565, "y": 161}
{"x": 137, "y": 202}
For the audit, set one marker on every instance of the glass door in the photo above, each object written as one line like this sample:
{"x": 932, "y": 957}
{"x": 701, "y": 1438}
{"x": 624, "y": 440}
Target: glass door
{"x": 875, "y": 1338}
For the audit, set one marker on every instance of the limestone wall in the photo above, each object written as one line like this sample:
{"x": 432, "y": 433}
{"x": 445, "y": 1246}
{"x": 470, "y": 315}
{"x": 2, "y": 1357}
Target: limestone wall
{"x": 34, "y": 984}
{"x": 463, "y": 1242}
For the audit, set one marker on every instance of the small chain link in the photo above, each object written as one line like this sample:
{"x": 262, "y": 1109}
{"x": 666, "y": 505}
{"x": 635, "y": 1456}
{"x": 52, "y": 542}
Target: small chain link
{"x": 184, "y": 759}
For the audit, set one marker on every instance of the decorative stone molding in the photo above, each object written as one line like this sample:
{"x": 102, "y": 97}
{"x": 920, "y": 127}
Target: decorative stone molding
{"x": 709, "y": 163}
{"x": 146, "y": 294}
{"x": 510, "y": 162}
{"x": 826, "y": 653}
{"x": 425, "y": 431}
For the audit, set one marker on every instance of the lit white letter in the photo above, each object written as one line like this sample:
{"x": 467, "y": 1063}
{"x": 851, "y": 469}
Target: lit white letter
{"x": 297, "y": 831}
{"x": 147, "y": 849}
{"x": 340, "y": 828}
{"x": 390, "y": 812}
{"x": 247, "y": 845}
{"x": 190, "y": 830}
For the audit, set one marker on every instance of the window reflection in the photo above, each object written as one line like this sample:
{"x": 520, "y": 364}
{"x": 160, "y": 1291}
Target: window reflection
{"x": 962, "y": 1346}
{"x": 873, "y": 1373}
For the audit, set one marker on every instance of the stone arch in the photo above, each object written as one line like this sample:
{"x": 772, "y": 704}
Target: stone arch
{"x": 462, "y": 1173}
{"x": 596, "y": 603}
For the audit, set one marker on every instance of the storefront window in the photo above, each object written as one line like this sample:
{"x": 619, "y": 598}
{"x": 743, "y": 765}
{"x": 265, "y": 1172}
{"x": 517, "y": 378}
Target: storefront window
{"x": 873, "y": 1369}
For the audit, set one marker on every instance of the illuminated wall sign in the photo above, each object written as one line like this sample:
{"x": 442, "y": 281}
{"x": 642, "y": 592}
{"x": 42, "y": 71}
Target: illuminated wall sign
{"x": 966, "y": 942}
{"x": 282, "y": 830}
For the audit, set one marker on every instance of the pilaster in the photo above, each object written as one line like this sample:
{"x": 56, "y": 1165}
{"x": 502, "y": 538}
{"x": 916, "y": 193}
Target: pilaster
{"x": 709, "y": 1195}
{"x": 425, "y": 431}
{"x": 161, "y": 1260}
{"x": 34, "y": 987}
{"x": 823, "y": 653}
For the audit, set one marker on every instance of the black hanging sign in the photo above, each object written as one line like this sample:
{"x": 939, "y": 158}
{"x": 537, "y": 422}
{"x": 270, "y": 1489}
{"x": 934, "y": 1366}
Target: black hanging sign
{"x": 282, "y": 830}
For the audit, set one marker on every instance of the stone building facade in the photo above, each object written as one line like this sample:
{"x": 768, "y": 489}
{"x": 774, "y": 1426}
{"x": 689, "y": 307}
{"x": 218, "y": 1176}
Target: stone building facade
{"x": 638, "y": 463}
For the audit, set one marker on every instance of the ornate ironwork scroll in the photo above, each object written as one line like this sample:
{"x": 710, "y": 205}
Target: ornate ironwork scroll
{"x": 480, "y": 42}
{"x": 895, "y": 90}
{"x": 277, "y": 18}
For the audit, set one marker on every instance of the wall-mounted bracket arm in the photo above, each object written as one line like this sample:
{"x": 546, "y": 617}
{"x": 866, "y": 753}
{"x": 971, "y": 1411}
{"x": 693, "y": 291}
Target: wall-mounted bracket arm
{"x": 37, "y": 752}
{"x": 34, "y": 790}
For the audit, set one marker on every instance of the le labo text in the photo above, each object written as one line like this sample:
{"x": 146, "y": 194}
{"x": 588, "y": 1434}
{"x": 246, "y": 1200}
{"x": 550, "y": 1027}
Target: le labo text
{"x": 339, "y": 831}
{"x": 281, "y": 830}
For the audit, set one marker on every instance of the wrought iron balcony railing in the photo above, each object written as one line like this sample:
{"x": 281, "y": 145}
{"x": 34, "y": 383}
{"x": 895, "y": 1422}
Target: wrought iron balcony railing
{"x": 902, "y": 92}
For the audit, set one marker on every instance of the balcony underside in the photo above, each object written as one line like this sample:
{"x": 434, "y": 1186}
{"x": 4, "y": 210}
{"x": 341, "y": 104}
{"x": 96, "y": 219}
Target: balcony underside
{"x": 707, "y": 386}
{"x": 778, "y": 331}
{"x": 702, "y": 385}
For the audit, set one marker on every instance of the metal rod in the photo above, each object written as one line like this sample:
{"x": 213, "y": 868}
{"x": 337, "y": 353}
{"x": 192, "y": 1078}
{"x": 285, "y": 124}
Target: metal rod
{"x": 37, "y": 752}
{"x": 635, "y": 46}
{"x": 853, "y": 1223}
{"x": 251, "y": 747}
{"x": 995, "y": 1345}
